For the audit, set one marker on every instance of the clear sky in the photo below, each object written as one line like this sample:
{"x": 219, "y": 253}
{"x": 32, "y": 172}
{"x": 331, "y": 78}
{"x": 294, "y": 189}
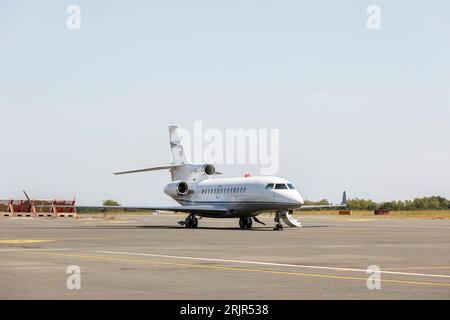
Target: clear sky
{"x": 363, "y": 110}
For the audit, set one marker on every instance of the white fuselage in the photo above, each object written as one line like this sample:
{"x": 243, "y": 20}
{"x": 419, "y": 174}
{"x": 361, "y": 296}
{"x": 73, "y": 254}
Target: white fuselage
{"x": 242, "y": 197}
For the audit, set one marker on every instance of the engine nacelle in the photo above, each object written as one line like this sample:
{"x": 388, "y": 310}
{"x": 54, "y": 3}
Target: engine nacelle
{"x": 209, "y": 169}
{"x": 176, "y": 188}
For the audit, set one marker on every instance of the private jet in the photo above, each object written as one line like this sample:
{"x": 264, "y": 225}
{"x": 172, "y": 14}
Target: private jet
{"x": 200, "y": 194}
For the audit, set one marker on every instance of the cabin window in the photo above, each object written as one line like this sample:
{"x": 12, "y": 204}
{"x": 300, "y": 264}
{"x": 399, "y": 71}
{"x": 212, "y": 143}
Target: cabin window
{"x": 280, "y": 186}
{"x": 291, "y": 186}
{"x": 269, "y": 186}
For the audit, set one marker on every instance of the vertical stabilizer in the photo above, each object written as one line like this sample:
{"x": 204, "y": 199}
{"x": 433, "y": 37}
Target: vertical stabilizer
{"x": 176, "y": 147}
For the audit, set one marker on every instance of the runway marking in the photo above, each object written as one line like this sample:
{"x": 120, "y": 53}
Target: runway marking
{"x": 22, "y": 241}
{"x": 418, "y": 268}
{"x": 358, "y": 220}
{"x": 271, "y": 271}
{"x": 118, "y": 221}
{"x": 34, "y": 249}
{"x": 390, "y": 226}
{"x": 274, "y": 264}
{"x": 341, "y": 246}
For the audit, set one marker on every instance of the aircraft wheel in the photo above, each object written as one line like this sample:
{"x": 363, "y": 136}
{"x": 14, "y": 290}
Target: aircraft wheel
{"x": 191, "y": 222}
{"x": 278, "y": 227}
{"x": 194, "y": 222}
{"x": 245, "y": 223}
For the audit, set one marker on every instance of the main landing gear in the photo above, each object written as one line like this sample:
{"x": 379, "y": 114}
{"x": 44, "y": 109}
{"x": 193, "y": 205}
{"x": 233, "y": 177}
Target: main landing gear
{"x": 191, "y": 222}
{"x": 245, "y": 223}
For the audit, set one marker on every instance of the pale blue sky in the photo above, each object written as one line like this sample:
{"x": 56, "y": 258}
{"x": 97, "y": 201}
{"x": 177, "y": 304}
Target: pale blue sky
{"x": 366, "y": 111}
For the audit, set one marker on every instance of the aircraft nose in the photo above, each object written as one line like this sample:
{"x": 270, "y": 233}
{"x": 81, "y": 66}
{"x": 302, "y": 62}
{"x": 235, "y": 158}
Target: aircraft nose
{"x": 295, "y": 199}
{"x": 300, "y": 200}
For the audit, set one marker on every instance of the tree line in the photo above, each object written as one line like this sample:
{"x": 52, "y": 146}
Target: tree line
{"x": 424, "y": 203}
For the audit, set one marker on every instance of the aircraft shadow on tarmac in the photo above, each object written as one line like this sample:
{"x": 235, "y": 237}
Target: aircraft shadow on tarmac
{"x": 171, "y": 227}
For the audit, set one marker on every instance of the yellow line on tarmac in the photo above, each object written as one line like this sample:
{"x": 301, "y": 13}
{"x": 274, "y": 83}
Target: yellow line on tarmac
{"x": 218, "y": 267}
{"x": 22, "y": 241}
{"x": 53, "y": 239}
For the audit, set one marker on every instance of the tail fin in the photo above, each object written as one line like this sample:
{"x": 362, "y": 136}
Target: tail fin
{"x": 176, "y": 147}
{"x": 344, "y": 199}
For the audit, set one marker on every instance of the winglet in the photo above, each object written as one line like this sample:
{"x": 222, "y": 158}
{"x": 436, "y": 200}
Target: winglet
{"x": 344, "y": 199}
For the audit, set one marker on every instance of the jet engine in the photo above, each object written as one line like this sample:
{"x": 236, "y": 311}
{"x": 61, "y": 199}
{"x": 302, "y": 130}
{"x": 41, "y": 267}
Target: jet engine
{"x": 176, "y": 188}
{"x": 209, "y": 169}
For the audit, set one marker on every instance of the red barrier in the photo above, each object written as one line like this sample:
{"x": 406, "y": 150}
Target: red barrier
{"x": 64, "y": 208}
{"x": 38, "y": 208}
{"x": 4, "y": 208}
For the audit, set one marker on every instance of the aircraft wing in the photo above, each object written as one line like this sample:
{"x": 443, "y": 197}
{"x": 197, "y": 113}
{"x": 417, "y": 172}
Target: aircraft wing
{"x": 343, "y": 204}
{"x": 187, "y": 209}
{"x": 323, "y": 206}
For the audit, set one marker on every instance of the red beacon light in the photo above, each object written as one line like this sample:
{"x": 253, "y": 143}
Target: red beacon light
{"x": 247, "y": 175}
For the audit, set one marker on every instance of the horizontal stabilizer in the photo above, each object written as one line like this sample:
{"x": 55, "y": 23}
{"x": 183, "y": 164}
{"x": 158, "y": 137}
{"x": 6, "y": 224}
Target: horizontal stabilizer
{"x": 343, "y": 204}
{"x": 149, "y": 169}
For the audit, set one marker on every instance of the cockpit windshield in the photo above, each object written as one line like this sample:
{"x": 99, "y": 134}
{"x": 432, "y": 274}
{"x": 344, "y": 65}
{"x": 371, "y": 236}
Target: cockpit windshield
{"x": 280, "y": 186}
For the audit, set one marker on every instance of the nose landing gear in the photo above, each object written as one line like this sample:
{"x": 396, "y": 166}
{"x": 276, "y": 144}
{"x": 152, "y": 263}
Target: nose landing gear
{"x": 288, "y": 218}
{"x": 278, "y": 226}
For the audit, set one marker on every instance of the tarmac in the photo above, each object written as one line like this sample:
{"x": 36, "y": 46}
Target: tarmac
{"x": 152, "y": 257}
